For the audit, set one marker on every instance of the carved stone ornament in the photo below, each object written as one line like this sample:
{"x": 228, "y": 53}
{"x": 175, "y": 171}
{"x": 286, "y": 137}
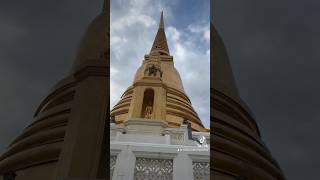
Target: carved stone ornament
{"x": 152, "y": 71}
{"x": 155, "y": 169}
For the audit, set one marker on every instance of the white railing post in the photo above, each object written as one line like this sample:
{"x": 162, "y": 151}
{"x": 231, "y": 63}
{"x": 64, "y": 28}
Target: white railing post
{"x": 182, "y": 167}
{"x": 125, "y": 165}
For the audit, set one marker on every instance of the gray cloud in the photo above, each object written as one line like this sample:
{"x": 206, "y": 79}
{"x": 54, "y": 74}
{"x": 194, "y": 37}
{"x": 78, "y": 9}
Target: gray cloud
{"x": 273, "y": 50}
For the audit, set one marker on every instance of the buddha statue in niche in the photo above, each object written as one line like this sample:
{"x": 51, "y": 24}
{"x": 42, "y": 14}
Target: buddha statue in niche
{"x": 148, "y": 111}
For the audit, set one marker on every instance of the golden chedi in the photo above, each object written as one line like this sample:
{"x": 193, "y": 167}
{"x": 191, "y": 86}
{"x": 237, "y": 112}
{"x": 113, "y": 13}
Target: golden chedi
{"x": 66, "y": 138}
{"x": 237, "y": 151}
{"x": 157, "y": 91}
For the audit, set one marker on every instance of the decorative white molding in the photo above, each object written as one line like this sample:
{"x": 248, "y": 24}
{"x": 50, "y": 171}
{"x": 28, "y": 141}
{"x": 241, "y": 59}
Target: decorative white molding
{"x": 146, "y": 122}
{"x": 170, "y": 143}
{"x": 199, "y": 157}
{"x": 156, "y": 155}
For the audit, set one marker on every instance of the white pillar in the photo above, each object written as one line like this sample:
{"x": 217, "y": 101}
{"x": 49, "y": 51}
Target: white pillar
{"x": 168, "y": 140}
{"x": 124, "y": 169}
{"x": 182, "y": 167}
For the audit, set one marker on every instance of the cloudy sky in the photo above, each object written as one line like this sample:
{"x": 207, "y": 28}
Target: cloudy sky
{"x": 273, "y": 47}
{"x": 134, "y": 24}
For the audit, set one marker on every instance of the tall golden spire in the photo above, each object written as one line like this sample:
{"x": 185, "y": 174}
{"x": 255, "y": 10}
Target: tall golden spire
{"x": 161, "y": 24}
{"x": 160, "y": 44}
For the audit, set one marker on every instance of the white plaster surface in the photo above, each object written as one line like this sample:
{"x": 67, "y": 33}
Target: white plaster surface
{"x": 128, "y": 146}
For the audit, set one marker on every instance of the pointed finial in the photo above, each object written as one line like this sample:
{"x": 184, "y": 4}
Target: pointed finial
{"x": 161, "y": 25}
{"x": 160, "y": 44}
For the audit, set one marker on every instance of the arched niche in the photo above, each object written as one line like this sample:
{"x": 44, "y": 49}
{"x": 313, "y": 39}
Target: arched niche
{"x": 148, "y": 104}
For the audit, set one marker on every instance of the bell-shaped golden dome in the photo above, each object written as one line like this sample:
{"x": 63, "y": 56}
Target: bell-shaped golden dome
{"x": 37, "y": 152}
{"x": 170, "y": 77}
{"x": 238, "y": 151}
{"x": 222, "y": 73}
{"x": 93, "y": 44}
{"x": 157, "y": 78}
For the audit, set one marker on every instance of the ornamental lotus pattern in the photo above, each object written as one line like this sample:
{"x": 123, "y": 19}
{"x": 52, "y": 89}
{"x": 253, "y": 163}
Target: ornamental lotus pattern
{"x": 113, "y": 160}
{"x": 153, "y": 169}
{"x": 201, "y": 170}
